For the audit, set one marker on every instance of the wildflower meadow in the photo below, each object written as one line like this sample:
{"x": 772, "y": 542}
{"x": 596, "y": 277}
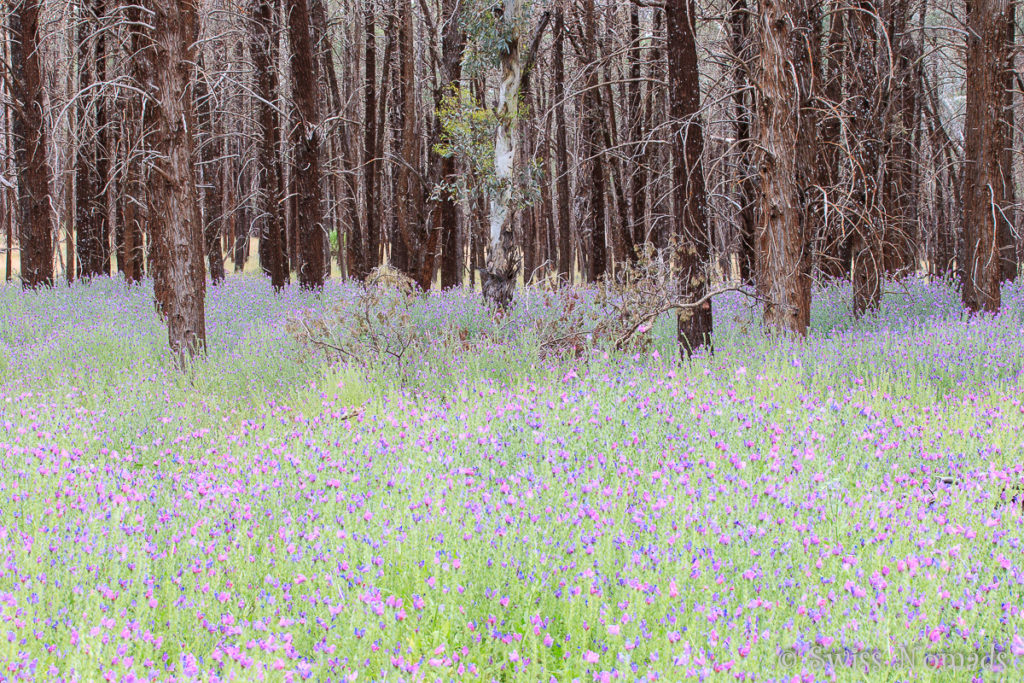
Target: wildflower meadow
{"x": 844, "y": 507}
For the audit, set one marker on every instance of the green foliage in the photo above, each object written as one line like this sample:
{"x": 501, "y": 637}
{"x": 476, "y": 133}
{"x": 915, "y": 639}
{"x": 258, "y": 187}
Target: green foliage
{"x": 488, "y": 33}
{"x": 467, "y": 135}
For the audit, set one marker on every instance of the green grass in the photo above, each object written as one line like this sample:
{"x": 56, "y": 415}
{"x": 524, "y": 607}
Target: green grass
{"x": 275, "y": 507}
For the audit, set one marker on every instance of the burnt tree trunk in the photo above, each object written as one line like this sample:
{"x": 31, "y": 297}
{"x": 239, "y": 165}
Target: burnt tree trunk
{"x": 91, "y": 161}
{"x": 164, "y": 66}
{"x": 901, "y": 178}
{"x": 565, "y": 250}
{"x": 594, "y": 149}
{"x": 833, "y": 243}
{"x": 343, "y": 180}
{"x": 213, "y": 188}
{"x": 657, "y": 156}
{"x": 694, "y": 325}
{"x": 370, "y": 153}
{"x": 739, "y": 43}
{"x": 35, "y": 219}
{"x": 783, "y": 80}
{"x": 6, "y": 193}
{"x": 445, "y": 208}
{"x": 132, "y": 203}
{"x": 865, "y": 41}
{"x": 985, "y": 139}
{"x": 408, "y": 193}
{"x": 623, "y": 247}
{"x": 637, "y": 168}
{"x": 263, "y": 48}
{"x": 949, "y": 256}
{"x": 1008, "y": 224}
{"x": 309, "y": 215}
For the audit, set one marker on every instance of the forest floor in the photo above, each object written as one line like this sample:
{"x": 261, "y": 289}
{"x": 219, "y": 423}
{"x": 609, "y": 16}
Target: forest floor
{"x": 839, "y": 507}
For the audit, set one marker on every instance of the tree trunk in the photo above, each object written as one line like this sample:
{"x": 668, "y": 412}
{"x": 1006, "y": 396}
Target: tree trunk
{"x": 370, "y": 175}
{"x": 91, "y": 158}
{"x": 866, "y": 41}
{"x": 623, "y": 247}
{"x": 263, "y": 48}
{"x": 594, "y": 152}
{"x": 565, "y": 250}
{"x": 658, "y": 156}
{"x": 833, "y": 244}
{"x": 783, "y": 80}
{"x": 445, "y": 209}
{"x": 739, "y": 43}
{"x": 985, "y": 139}
{"x": 408, "y": 193}
{"x": 622, "y": 236}
{"x": 164, "y": 66}
{"x": 132, "y": 202}
{"x": 637, "y": 167}
{"x": 498, "y": 277}
{"x": 342, "y": 179}
{"x": 7, "y": 192}
{"x": 7, "y": 197}
{"x": 949, "y": 259}
{"x": 1008, "y": 224}
{"x": 693, "y": 326}
{"x": 212, "y": 180}
{"x": 901, "y": 178}
{"x": 35, "y": 219}
{"x": 309, "y": 215}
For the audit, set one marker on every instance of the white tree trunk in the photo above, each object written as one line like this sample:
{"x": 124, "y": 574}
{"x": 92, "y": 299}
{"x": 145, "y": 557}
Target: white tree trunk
{"x": 499, "y": 276}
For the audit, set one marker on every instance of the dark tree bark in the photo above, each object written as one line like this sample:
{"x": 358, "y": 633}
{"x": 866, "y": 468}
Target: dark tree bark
{"x": 565, "y": 250}
{"x": 212, "y": 178}
{"x": 619, "y": 229}
{"x": 92, "y": 164}
{"x": 164, "y": 66}
{"x": 1008, "y": 223}
{"x": 866, "y": 43}
{"x": 594, "y": 149}
{"x": 263, "y": 48}
{"x": 547, "y": 197}
{"x": 442, "y": 168}
{"x": 833, "y": 243}
{"x": 949, "y": 191}
{"x": 35, "y": 218}
{"x": 132, "y": 202}
{"x": 901, "y": 178}
{"x": 230, "y": 209}
{"x": 370, "y": 148}
{"x": 786, "y": 124}
{"x": 658, "y": 156}
{"x": 739, "y": 44}
{"x": 305, "y": 136}
{"x": 408, "y": 193}
{"x": 290, "y": 206}
{"x": 6, "y": 193}
{"x": 622, "y": 236}
{"x": 637, "y": 167}
{"x": 342, "y": 180}
{"x": 694, "y": 326}
{"x": 985, "y": 139}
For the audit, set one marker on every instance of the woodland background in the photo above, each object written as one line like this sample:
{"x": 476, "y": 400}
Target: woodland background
{"x": 781, "y": 142}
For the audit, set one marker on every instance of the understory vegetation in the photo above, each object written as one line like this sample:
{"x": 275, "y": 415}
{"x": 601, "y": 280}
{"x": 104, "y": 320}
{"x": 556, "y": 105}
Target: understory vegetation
{"x": 369, "y": 483}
